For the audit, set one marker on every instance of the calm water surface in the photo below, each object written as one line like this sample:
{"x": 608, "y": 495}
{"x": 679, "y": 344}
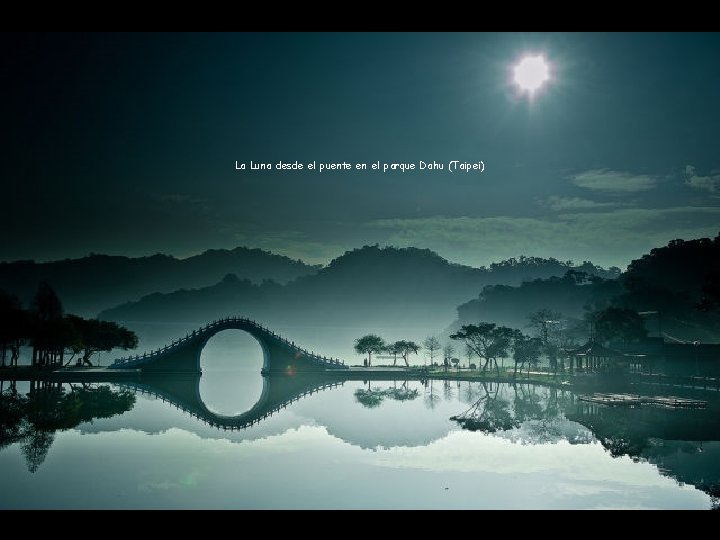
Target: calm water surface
{"x": 377, "y": 444}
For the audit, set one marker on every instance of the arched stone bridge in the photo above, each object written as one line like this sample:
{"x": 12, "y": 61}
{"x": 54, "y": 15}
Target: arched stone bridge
{"x": 183, "y": 355}
{"x": 279, "y": 391}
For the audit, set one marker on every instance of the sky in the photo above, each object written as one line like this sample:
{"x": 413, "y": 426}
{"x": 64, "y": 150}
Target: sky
{"x": 126, "y": 144}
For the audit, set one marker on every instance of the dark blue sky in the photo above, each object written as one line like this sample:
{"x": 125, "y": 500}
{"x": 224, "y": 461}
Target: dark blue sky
{"x": 127, "y": 143}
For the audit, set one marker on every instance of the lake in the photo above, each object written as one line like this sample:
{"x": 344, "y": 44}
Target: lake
{"x": 234, "y": 439}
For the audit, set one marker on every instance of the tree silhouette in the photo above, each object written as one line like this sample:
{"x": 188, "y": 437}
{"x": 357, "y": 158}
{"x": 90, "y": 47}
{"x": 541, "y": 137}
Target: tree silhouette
{"x": 394, "y": 349}
{"x": 545, "y": 322}
{"x": 46, "y": 304}
{"x": 526, "y": 350}
{"x": 487, "y": 341}
{"x": 432, "y": 344}
{"x": 448, "y": 352}
{"x": 94, "y": 335}
{"x": 51, "y": 333}
{"x": 369, "y": 344}
{"x": 15, "y": 328}
{"x": 406, "y": 348}
{"x": 32, "y": 420}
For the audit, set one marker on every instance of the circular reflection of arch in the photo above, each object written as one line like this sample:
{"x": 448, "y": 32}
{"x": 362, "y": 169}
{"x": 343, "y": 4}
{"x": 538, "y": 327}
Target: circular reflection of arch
{"x": 231, "y": 382}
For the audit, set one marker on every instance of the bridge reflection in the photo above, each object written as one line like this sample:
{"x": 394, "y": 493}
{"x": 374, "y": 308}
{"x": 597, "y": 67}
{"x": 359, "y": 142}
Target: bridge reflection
{"x": 278, "y": 392}
{"x": 683, "y": 444}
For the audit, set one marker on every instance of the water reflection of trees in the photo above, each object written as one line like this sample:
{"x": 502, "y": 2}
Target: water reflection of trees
{"x": 32, "y": 420}
{"x": 431, "y": 395}
{"x": 671, "y": 439}
{"x": 503, "y": 407}
{"x": 488, "y": 413}
{"x": 373, "y": 396}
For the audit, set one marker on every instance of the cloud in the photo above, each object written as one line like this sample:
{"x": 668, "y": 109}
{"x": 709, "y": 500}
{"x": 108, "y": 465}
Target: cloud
{"x": 613, "y": 237}
{"x": 706, "y": 183}
{"x": 557, "y": 203}
{"x": 613, "y": 181}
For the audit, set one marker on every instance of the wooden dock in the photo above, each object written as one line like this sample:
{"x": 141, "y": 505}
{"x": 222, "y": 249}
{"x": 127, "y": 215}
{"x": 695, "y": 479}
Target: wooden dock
{"x": 635, "y": 400}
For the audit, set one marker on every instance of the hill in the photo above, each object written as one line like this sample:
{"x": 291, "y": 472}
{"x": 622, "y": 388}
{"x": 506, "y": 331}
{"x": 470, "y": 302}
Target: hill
{"x": 674, "y": 286}
{"x": 370, "y": 285}
{"x": 90, "y": 284}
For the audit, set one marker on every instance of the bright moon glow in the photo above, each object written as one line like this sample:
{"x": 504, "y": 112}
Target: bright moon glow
{"x": 531, "y": 73}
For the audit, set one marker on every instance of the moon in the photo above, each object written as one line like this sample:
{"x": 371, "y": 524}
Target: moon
{"x": 531, "y": 73}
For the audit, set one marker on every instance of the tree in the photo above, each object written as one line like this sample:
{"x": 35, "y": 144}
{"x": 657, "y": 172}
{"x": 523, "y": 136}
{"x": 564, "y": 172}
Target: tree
{"x": 48, "y": 407}
{"x": 548, "y": 328}
{"x": 50, "y": 338}
{"x": 406, "y": 348}
{"x": 487, "y": 341}
{"x": 51, "y": 332}
{"x": 46, "y": 304}
{"x": 369, "y": 344}
{"x": 94, "y": 336}
{"x": 546, "y": 323}
{"x": 526, "y": 350}
{"x": 469, "y": 354}
{"x": 432, "y": 344}
{"x": 15, "y": 328}
{"x": 392, "y": 348}
{"x": 448, "y": 351}
{"x": 619, "y": 323}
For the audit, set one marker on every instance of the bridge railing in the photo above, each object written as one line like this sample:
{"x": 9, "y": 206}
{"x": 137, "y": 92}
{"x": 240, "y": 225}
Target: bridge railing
{"x": 139, "y": 359}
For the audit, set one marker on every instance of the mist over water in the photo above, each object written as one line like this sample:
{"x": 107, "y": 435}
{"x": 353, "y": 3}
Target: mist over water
{"x": 365, "y": 444}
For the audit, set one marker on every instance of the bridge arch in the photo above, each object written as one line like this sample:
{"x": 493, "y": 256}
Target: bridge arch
{"x": 183, "y": 355}
{"x": 202, "y": 344}
{"x": 231, "y": 362}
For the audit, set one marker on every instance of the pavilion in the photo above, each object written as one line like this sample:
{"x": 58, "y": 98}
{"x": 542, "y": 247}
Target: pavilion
{"x": 593, "y": 356}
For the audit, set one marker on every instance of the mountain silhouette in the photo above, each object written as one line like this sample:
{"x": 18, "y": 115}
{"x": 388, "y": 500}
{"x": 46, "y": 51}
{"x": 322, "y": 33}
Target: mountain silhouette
{"x": 671, "y": 285}
{"x": 90, "y": 284}
{"x": 388, "y": 284}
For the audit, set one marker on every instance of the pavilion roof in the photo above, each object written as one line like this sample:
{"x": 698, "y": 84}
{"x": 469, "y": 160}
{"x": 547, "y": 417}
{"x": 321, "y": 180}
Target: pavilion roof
{"x": 594, "y": 348}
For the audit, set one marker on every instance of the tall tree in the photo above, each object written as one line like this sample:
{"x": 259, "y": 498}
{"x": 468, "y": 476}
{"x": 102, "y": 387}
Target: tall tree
{"x": 526, "y": 350}
{"x": 50, "y": 332}
{"x": 469, "y": 354}
{"x": 46, "y": 304}
{"x": 369, "y": 344}
{"x": 448, "y": 352}
{"x": 432, "y": 345}
{"x": 548, "y": 328}
{"x": 487, "y": 340}
{"x": 14, "y": 328}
